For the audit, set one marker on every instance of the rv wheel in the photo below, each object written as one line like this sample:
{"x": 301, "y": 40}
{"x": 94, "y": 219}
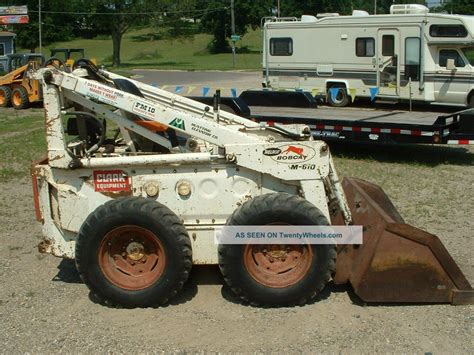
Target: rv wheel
{"x": 133, "y": 252}
{"x": 277, "y": 275}
{"x": 339, "y": 100}
{"x": 5, "y": 96}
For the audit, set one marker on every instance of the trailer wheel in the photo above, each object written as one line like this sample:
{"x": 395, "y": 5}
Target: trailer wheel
{"x": 133, "y": 252}
{"x": 277, "y": 275}
{"x": 20, "y": 99}
{"x": 341, "y": 99}
{"x": 5, "y": 96}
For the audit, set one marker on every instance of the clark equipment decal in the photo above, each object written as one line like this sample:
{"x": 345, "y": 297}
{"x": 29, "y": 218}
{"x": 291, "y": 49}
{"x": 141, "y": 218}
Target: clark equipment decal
{"x": 111, "y": 181}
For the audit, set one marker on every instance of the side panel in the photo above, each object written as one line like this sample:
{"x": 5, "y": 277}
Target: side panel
{"x": 451, "y": 86}
{"x": 67, "y": 197}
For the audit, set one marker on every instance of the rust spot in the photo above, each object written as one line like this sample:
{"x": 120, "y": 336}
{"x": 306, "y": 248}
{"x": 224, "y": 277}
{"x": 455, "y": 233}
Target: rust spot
{"x": 44, "y": 245}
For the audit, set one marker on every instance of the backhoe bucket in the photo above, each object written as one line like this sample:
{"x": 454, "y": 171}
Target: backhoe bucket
{"x": 396, "y": 262}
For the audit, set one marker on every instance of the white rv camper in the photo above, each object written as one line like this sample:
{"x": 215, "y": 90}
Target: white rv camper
{"x": 409, "y": 53}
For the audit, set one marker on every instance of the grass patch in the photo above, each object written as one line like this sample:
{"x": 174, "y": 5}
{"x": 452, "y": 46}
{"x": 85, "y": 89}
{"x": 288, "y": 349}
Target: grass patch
{"x": 141, "y": 48}
{"x": 147, "y": 55}
{"x": 22, "y": 140}
{"x": 16, "y": 123}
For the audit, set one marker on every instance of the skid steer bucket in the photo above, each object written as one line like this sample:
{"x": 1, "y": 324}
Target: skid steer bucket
{"x": 396, "y": 262}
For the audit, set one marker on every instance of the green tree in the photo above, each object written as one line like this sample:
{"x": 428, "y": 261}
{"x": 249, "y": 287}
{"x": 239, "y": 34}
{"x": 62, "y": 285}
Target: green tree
{"x": 178, "y": 16}
{"x": 313, "y": 7}
{"x": 461, "y": 7}
{"x": 344, "y": 7}
{"x": 114, "y": 18}
{"x": 55, "y": 26}
{"x": 216, "y": 19}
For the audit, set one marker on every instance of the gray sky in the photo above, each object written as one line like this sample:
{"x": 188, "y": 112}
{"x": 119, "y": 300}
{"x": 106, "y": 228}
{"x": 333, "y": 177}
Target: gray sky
{"x": 432, "y": 3}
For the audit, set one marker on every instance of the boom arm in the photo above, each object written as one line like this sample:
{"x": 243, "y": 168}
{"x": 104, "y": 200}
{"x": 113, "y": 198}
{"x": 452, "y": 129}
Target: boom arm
{"x": 269, "y": 150}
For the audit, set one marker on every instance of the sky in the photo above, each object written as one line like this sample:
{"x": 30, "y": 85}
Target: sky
{"x": 432, "y": 3}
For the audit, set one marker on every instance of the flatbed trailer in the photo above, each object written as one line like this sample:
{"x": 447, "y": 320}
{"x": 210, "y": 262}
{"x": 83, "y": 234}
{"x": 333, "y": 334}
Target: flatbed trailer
{"x": 375, "y": 125}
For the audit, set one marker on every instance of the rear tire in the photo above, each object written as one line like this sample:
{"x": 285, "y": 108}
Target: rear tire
{"x": 342, "y": 98}
{"x": 289, "y": 281}
{"x": 471, "y": 101}
{"x": 133, "y": 252}
{"x": 20, "y": 99}
{"x": 5, "y": 96}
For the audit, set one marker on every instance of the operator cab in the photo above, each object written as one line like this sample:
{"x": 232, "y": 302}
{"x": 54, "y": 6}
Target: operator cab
{"x": 18, "y": 60}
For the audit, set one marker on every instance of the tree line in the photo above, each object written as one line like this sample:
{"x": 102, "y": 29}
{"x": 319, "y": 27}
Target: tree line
{"x": 65, "y": 20}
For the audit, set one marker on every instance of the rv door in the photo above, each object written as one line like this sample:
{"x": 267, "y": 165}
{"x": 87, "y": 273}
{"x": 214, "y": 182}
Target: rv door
{"x": 453, "y": 78}
{"x": 388, "y": 62}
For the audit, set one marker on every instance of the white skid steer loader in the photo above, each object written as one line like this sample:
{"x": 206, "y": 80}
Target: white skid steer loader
{"x": 136, "y": 209}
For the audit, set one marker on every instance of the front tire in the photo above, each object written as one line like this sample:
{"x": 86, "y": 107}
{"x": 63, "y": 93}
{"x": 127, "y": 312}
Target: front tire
{"x": 20, "y": 99}
{"x": 277, "y": 275}
{"x": 133, "y": 252}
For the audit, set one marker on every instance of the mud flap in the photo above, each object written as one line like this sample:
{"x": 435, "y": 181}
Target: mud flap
{"x": 396, "y": 262}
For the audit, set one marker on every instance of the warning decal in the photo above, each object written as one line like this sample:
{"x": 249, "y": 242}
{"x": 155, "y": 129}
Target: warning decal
{"x": 111, "y": 181}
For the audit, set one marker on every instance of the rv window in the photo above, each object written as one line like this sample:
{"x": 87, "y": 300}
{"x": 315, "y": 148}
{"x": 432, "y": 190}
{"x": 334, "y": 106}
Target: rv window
{"x": 2, "y": 49}
{"x": 365, "y": 47}
{"x": 446, "y": 54}
{"x": 448, "y": 31}
{"x": 388, "y": 45}
{"x": 412, "y": 58}
{"x": 281, "y": 46}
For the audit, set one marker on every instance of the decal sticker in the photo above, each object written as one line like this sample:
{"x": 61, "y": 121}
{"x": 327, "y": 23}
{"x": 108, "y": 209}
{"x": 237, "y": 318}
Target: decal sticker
{"x": 328, "y": 134}
{"x": 178, "y": 123}
{"x": 102, "y": 93}
{"x": 111, "y": 181}
{"x": 303, "y": 167}
{"x": 271, "y": 152}
{"x": 203, "y": 130}
{"x": 291, "y": 154}
{"x": 144, "y": 109}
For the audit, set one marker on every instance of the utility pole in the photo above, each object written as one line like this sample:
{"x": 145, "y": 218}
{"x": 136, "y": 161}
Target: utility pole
{"x": 39, "y": 20}
{"x": 232, "y": 25}
{"x": 375, "y": 7}
{"x": 278, "y": 8}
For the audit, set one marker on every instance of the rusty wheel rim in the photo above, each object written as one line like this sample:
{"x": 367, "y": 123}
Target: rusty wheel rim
{"x": 277, "y": 266}
{"x": 131, "y": 257}
{"x": 2, "y": 97}
{"x": 16, "y": 98}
